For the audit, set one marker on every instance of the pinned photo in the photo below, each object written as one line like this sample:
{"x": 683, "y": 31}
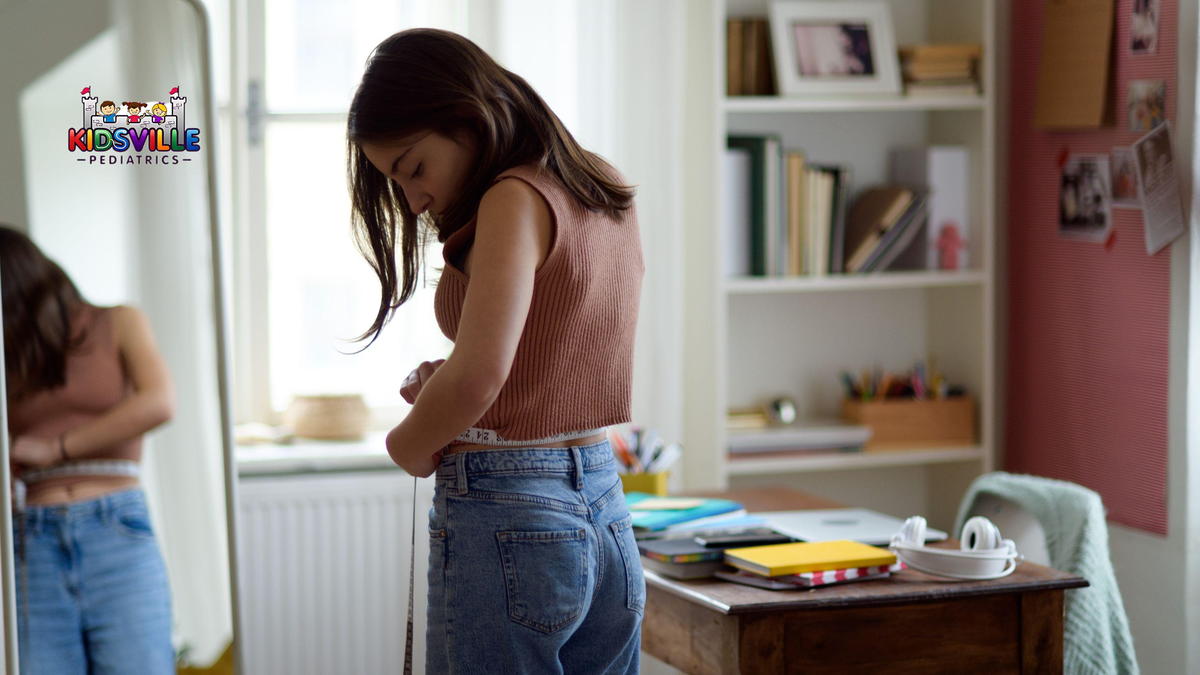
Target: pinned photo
{"x": 1084, "y": 198}
{"x": 1124, "y": 180}
{"x": 1147, "y": 101}
{"x": 1143, "y": 26}
{"x": 1162, "y": 203}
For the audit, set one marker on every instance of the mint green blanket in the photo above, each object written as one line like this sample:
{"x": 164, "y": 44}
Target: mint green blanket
{"x": 1097, "y": 638}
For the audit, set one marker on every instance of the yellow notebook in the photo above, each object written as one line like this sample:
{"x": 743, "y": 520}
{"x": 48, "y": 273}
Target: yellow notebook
{"x": 776, "y": 559}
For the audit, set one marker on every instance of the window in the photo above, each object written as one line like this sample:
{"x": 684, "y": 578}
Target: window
{"x": 302, "y": 291}
{"x": 310, "y": 293}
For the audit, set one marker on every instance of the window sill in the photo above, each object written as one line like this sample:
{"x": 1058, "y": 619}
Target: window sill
{"x": 311, "y": 456}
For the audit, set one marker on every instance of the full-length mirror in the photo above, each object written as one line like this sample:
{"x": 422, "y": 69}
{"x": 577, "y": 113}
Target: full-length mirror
{"x": 115, "y": 402}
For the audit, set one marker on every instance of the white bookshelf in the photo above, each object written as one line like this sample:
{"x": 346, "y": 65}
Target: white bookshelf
{"x": 760, "y": 337}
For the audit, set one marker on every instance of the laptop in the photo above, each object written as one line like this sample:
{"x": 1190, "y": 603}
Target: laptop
{"x": 861, "y": 525}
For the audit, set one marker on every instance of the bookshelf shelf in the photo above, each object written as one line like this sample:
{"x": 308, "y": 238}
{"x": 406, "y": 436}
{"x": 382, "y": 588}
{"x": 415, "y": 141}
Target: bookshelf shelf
{"x": 843, "y": 461}
{"x": 748, "y": 340}
{"x": 777, "y": 104}
{"x": 851, "y": 282}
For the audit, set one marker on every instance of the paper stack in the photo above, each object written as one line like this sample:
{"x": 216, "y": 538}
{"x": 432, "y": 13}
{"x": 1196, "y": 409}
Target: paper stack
{"x": 940, "y": 69}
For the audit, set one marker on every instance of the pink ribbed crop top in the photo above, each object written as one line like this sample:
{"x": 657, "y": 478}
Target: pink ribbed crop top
{"x": 574, "y": 363}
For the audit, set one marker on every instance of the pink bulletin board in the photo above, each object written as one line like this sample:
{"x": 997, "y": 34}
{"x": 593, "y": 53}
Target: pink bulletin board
{"x": 1087, "y": 352}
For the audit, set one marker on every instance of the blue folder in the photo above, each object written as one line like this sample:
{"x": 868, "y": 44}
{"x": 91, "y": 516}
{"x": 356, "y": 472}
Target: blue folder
{"x": 662, "y": 518}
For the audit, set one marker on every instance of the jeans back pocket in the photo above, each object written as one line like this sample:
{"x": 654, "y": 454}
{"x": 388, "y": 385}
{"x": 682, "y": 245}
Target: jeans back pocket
{"x": 545, "y": 576}
{"x": 635, "y": 582}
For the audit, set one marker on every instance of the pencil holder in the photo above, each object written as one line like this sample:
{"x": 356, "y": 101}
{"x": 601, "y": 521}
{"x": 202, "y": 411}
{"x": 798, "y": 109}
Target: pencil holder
{"x": 650, "y": 483}
{"x": 898, "y": 424}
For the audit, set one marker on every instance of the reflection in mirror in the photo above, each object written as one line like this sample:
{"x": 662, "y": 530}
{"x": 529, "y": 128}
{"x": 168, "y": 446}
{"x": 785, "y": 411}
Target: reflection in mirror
{"x": 114, "y": 404}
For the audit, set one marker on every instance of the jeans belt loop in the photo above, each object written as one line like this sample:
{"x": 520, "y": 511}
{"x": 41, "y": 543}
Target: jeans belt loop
{"x": 577, "y": 457}
{"x": 460, "y": 478}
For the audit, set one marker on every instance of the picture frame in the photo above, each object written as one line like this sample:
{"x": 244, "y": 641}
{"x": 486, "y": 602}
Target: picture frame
{"x": 834, "y": 48}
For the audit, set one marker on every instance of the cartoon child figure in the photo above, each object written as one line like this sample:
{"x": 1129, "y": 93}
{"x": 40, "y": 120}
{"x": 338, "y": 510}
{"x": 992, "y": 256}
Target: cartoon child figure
{"x": 135, "y": 111}
{"x": 109, "y": 110}
{"x": 158, "y": 112}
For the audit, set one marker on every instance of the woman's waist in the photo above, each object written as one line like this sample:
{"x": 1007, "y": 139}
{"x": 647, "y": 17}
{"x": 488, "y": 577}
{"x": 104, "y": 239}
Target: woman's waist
{"x": 77, "y": 492}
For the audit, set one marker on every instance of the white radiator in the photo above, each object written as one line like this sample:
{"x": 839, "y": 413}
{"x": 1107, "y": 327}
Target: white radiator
{"x": 323, "y": 561}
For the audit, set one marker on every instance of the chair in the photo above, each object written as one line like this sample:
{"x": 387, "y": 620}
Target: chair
{"x": 1062, "y": 525}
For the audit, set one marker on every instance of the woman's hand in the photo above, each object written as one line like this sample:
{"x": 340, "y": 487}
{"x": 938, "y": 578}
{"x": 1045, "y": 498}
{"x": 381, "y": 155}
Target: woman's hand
{"x": 411, "y": 387}
{"x": 417, "y": 464}
{"x": 31, "y": 452}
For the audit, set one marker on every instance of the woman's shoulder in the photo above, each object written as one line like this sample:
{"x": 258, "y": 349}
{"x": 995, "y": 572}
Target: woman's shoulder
{"x": 127, "y": 321}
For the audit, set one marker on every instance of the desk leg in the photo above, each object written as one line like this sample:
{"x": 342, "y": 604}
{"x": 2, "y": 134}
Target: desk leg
{"x": 683, "y": 634}
{"x": 1042, "y": 632}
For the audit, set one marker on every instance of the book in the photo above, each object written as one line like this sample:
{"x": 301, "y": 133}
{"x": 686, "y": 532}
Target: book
{"x": 679, "y": 551}
{"x": 942, "y": 89}
{"x": 944, "y": 172}
{"x": 659, "y": 519}
{"x": 733, "y": 57}
{"x": 820, "y": 228}
{"x": 692, "y": 570}
{"x": 765, "y": 201}
{"x": 796, "y": 216}
{"x": 898, "y": 237}
{"x": 751, "y": 37}
{"x": 872, "y": 215}
{"x": 729, "y": 523}
{"x": 944, "y": 51}
{"x": 737, "y": 211}
{"x": 837, "y": 235}
{"x": 810, "y": 579}
{"x": 777, "y": 559}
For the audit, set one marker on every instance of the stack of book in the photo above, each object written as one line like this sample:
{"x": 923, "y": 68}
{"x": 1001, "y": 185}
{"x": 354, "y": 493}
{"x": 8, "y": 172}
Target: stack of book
{"x": 667, "y": 529}
{"x": 807, "y": 564}
{"x": 784, "y": 214}
{"x": 750, "y": 70}
{"x": 940, "y": 69}
{"x": 881, "y": 225}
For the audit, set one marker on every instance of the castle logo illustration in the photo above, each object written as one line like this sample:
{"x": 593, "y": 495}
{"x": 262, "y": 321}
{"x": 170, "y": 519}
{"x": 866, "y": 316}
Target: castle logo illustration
{"x": 133, "y": 132}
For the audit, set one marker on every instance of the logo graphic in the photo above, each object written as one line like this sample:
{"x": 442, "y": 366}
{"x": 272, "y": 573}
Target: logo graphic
{"x": 133, "y": 132}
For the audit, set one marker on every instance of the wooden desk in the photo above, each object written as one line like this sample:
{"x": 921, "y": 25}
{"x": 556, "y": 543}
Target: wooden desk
{"x": 910, "y": 623}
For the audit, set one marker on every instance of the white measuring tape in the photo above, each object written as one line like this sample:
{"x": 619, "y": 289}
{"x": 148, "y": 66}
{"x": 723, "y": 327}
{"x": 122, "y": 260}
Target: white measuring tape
{"x": 490, "y": 437}
{"x": 92, "y": 467}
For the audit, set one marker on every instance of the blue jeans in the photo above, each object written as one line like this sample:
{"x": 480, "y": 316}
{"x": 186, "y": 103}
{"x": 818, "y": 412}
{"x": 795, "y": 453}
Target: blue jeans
{"x": 92, "y": 593}
{"x": 533, "y": 567}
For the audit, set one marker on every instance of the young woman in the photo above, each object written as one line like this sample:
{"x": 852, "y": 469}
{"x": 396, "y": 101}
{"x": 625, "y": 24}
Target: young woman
{"x": 533, "y": 565}
{"x": 83, "y": 383}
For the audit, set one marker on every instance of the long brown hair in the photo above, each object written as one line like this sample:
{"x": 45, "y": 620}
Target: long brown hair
{"x": 38, "y": 301}
{"x": 433, "y": 80}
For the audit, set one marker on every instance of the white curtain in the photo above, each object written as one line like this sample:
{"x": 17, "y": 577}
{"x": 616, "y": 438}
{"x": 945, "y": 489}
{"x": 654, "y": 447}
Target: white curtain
{"x": 184, "y": 470}
{"x": 613, "y": 70}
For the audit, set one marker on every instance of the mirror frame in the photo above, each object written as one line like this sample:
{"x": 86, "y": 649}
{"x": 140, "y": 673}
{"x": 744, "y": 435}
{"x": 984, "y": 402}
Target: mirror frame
{"x": 221, "y": 321}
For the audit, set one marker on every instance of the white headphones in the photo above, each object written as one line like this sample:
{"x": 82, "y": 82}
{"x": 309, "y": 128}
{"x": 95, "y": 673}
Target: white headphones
{"x": 983, "y": 555}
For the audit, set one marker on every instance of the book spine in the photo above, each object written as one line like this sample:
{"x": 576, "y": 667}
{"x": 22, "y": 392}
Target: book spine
{"x": 733, "y": 57}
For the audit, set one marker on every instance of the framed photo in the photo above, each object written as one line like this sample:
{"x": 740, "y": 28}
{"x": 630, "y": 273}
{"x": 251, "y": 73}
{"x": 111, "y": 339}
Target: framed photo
{"x": 834, "y": 48}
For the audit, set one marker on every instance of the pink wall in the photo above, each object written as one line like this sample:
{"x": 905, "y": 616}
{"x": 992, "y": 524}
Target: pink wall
{"x": 1087, "y": 337}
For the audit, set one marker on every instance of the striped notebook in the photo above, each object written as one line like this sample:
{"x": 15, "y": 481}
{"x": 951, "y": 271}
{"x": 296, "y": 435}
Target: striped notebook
{"x": 811, "y": 579}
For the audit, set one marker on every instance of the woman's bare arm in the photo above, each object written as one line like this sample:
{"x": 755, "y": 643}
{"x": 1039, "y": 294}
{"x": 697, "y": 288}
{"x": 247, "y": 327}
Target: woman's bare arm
{"x": 152, "y": 402}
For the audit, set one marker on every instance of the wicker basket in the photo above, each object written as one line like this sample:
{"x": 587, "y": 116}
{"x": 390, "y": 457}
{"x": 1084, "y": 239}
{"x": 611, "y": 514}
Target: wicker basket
{"x": 328, "y": 416}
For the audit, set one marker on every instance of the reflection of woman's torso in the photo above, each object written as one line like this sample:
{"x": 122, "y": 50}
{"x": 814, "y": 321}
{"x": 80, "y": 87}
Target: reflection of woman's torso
{"x": 96, "y": 381}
